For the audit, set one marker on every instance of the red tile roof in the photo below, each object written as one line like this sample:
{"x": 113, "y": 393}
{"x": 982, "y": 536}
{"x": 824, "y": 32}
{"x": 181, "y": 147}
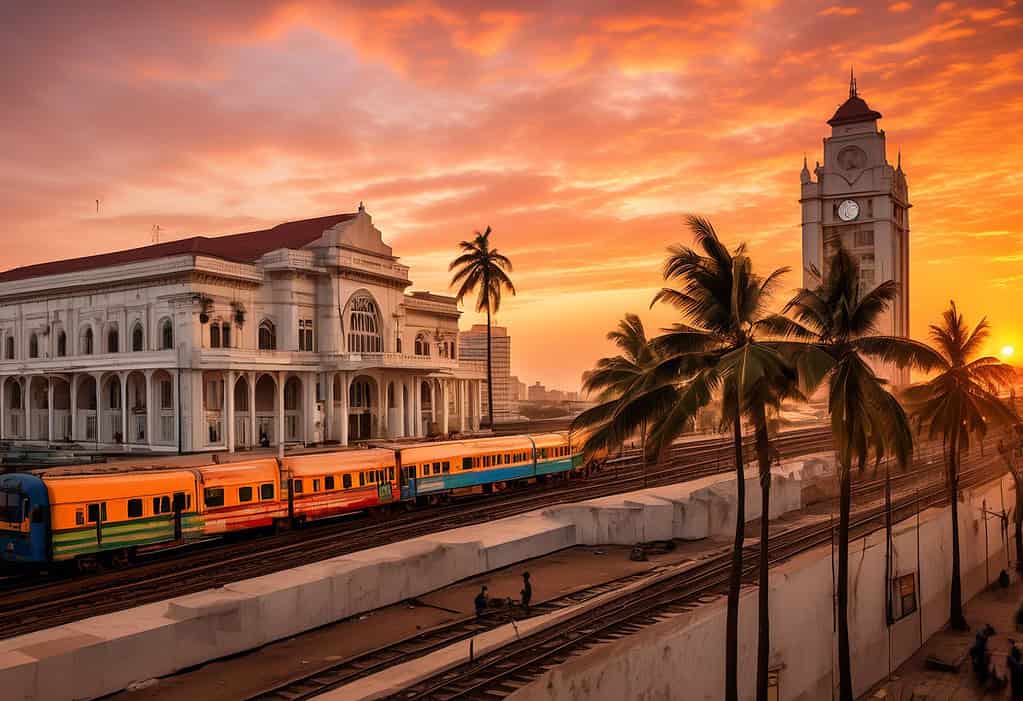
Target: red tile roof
{"x": 242, "y": 248}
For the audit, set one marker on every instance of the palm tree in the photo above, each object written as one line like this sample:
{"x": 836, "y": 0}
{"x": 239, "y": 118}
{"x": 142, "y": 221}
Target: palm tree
{"x": 715, "y": 351}
{"x": 835, "y": 335}
{"x": 957, "y": 402}
{"x": 482, "y": 268}
{"x": 612, "y": 377}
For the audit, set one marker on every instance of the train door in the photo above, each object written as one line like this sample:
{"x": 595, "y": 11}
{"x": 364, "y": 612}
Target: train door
{"x": 96, "y": 515}
{"x": 407, "y": 481}
{"x": 179, "y": 509}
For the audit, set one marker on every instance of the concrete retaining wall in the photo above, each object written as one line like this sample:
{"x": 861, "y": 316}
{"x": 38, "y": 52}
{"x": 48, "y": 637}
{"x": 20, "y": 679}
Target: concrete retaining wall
{"x": 687, "y": 653}
{"x": 101, "y": 655}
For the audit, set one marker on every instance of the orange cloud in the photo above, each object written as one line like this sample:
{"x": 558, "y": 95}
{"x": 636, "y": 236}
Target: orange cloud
{"x": 900, "y": 7}
{"x": 580, "y": 135}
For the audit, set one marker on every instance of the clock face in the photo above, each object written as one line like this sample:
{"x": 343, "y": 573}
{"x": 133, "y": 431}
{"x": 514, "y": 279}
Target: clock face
{"x": 848, "y": 210}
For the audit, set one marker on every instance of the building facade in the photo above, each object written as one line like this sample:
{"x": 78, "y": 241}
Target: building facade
{"x": 472, "y": 351}
{"x": 858, "y": 198}
{"x": 303, "y": 333}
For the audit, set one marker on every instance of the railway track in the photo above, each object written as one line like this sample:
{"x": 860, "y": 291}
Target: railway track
{"x": 26, "y": 609}
{"x": 501, "y": 672}
{"x": 333, "y": 676}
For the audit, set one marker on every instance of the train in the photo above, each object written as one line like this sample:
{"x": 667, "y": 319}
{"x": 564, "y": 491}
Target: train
{"x": 92, "y": 516}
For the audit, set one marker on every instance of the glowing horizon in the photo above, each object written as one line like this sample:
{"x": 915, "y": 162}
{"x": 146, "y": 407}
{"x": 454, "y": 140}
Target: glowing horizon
{"x": 581, "y": 135}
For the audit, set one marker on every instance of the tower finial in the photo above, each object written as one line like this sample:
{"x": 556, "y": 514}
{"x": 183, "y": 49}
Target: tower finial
{"x": 362, "y": 207}
{"x": 899, "y": 167}
{"x": 852, "y": 82}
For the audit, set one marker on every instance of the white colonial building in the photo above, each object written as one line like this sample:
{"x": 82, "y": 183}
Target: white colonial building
{"x": 301, "y": 333}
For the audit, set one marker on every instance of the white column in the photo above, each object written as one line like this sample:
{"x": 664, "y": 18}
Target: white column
{"x": 279, "y": 414}
{"x": 123, "y": 377}
{"x": 433, "y": 399}
{"x": 419, "y": 406}
{"x": 399, "y": 408}
{"x": 253, "y": 438}
{"x": 97, "y": 377}
{"x": 3, "y": 407}
{"x": 444, "y": 407}
{"x": 327, "y": 379}
{"x": 229, "y": 410}
{"x": 176, "y": 403}
{"x": 149, "y": 408}
{"x": 49, "y": 409}
{"x": 309, "y": 411}
{"x": 463, "y": 399}
{"x": 73, "y": 408}
{"x": 476, "y": 405}
{"x": 344, "y": 409}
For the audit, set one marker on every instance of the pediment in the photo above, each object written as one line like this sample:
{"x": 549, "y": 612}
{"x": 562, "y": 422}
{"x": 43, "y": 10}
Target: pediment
{"x": 357, "y": 232}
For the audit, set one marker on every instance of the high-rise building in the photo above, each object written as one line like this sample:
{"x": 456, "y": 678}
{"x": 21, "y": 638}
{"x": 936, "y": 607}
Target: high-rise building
{"x": 472, "y": 353}
{"x": 519, "y": 392}
{"x": 857, "y": 198}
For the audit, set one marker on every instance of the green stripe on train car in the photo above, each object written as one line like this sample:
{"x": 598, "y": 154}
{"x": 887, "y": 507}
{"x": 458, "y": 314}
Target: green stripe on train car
{"x": 124, "y": 534}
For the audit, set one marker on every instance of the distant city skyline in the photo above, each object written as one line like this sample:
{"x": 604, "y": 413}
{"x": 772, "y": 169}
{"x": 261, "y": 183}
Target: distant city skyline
{"x": 580, "y": 135}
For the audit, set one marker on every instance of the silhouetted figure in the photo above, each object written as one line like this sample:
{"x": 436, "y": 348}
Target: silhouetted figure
{"x": 980, "y": 655}
{"x": 264, "y": 440}
{"x": 1014, "y": 661}
{"x": 481, "y": 601}
{"x": 527, "y": 591}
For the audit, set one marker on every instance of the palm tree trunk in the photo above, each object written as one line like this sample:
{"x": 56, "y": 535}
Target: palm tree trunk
{"x": 888, "y": 607}
{"x": 845, "y": 691}
{"x": 735, "y": 577}
{"x": 955, "y": 616}
{"x": 490, "y": 375}
{"x": 763, "y": 583}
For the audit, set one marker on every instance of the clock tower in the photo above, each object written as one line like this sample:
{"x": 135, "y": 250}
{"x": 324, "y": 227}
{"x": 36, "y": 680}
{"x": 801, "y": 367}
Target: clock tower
{"x": 857, "y": 198}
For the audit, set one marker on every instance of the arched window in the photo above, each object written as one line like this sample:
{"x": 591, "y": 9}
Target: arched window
{"x": 225, "y": 335}
{"x": 267, "y": 335}
{"x": 137, "y": 339}
{"x": 85, "y": 348}
{"x": 215, "y": 334}
{"x": 33, "y": 346}
{"x": 61, "y": 343}
{"x": 9, "y": 347}
{"x": 166, "y": 334}
{"x": 358, "y": 394}
{"x": 422, "y": 345}
{"x": 113, "y": 340}
{"x": 364, "y": 326}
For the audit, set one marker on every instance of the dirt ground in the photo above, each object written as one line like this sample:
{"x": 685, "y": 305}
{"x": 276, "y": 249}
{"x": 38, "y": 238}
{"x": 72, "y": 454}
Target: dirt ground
{"x": 554, "y": 575}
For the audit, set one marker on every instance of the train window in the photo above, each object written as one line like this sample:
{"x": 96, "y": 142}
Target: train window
{"x": 486, "y": 461}
{"x": 244, "y": 493}
{"x": 328, "y": 482}
{"x": 296, "y": 486}
{"x": 436, "y": 468}
{"x": 38, "y": 515}
{"x": 134, "y": 508}
{"x": 362, "y": 479}
{"x": 507, "y": 459}
{"x": 188, "y": 501}
{"x": 79, "y": 518}
{"x": 156, "y": 505}
{"x": 266, "y": 491}
{"x": 165, "y": 506}
{"x": 346, "y": 481}
{"x": 179, "y": 501}
{"x": 381, "y": 475}
{"x": 390, "y": 470}
{"x": 446, "y": 467}
{"x": 213, "y": 496}
{"x": 316, "y": 485}
{"x": 412, "y": 471}
{"x": 97, "y": 512}
{"x": 372, "y": 477}
{"x": 466, "y": 463}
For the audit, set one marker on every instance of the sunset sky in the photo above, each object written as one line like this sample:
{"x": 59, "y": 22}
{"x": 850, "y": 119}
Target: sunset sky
{"x": 580, "y": 131}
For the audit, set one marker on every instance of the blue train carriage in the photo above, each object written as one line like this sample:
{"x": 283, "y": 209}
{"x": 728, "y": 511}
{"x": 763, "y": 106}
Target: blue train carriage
{"x": 430, "y": 470}
{"x": 24, "y": 519}
{"x": 555, "y": 454}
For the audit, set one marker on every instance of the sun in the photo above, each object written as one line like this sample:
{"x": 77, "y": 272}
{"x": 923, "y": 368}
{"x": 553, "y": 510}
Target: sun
{"x": 1007, "y": 351}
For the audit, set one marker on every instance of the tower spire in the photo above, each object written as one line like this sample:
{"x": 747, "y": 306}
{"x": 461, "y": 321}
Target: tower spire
{"x": 852, "y": 82}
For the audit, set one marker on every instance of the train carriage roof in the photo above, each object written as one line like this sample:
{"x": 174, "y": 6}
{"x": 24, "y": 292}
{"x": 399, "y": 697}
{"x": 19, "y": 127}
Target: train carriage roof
{"x": 547, "y": 440}
{"x": 341, "y": 461}
{"x": 245, "y": 472}
{"x": 440, "y": 450}
{"x": 124, "y": 485}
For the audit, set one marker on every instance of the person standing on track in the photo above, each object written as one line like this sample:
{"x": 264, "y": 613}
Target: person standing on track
{"x": 527, "y": 591}
{"x": 481, "y": 601}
